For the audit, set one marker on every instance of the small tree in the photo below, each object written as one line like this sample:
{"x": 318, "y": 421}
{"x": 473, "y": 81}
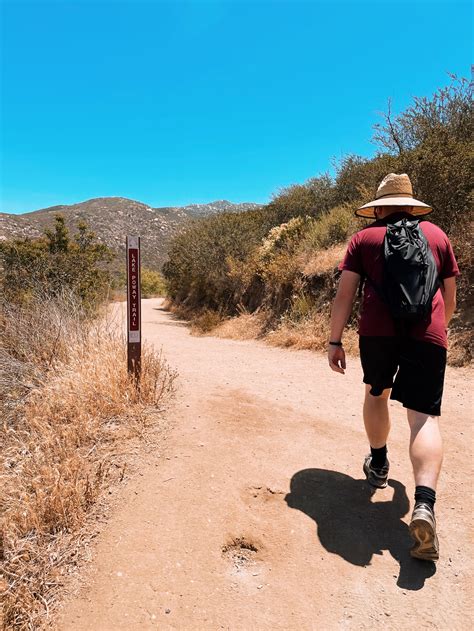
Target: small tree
{"x": 58, "y": 239}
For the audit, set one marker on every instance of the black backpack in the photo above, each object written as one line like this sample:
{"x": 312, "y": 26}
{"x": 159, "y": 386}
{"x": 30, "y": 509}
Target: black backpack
{"x": 410, "y": 276}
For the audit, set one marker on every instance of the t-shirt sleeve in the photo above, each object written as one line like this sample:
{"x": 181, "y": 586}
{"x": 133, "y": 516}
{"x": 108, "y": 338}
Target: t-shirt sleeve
{"x": 449, "y": 266}
{"x": 352, "y": 261}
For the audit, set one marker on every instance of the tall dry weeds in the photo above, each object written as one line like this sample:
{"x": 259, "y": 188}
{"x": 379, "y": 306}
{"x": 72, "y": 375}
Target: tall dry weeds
{"x": 66, "y": 402}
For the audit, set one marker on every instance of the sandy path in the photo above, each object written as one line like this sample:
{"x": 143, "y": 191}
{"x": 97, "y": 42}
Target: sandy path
{"x": 266, "y": 452}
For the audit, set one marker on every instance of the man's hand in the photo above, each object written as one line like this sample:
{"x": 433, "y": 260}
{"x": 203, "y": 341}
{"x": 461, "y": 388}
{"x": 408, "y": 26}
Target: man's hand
{"x": 337, "y": 359}
{"x": 340, "y": 312}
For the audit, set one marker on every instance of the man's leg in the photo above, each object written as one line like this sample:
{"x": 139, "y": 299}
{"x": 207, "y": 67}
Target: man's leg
{"x": 376, "y": 418}
{"x": 379, "y": 358}
{"x": 426, "y": 448}
{"x": 426, "y": 454}
{"x": 377, "y": 427}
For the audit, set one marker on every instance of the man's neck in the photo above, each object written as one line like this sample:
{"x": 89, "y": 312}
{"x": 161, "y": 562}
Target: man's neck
{"x": 394, "y": 213}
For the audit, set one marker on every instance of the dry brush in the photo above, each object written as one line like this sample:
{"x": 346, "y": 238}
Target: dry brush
{"x": 67, "y": 404}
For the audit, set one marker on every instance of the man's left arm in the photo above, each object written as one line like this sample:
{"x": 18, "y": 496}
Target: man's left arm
{"x": 448, "y": 272}
{"x": 341, "y": 310}
{"x": 448, "y": 289}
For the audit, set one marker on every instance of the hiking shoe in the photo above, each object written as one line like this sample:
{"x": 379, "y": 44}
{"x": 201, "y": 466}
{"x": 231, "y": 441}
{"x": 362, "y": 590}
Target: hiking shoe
{"x": 423, "y": 531}
{"x": 376, "y": 477}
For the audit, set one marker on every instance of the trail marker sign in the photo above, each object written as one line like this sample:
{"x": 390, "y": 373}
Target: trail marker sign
{"x": 134, "y": 311}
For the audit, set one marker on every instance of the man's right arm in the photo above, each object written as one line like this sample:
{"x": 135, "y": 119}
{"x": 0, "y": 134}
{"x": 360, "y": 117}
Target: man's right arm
{"x": 340, "y": 312}
{"x": 342, "y": 305}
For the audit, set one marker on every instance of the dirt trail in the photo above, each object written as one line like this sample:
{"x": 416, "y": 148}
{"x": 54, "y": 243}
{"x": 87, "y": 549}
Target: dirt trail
{"x": 255, "y": 515}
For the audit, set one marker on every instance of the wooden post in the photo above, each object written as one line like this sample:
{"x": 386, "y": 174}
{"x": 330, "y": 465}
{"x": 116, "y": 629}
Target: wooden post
{"x": 134, "y": 311}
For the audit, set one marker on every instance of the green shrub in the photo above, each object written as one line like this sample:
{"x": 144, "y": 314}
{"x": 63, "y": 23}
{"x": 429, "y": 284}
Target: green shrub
{"x": 301, "y": 308}
{"x": 357, "y": 178}
{"x": 152, "y": 283}
{"x": 284, "y": 238}
{"x": 56, "y": 264}
{"x": 313, "y": 198}
{"x": 332, "y": 228}
{"x": 201, "y": 257}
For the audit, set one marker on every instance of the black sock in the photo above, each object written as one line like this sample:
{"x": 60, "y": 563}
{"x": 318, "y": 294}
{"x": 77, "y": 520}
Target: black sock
{"x": 379, "y": 457}
{"x": 426, "y": 495}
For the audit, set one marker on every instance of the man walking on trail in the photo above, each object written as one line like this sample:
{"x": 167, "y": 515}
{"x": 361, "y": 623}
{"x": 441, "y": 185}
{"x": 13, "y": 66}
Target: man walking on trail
{"x": 409, "y": 274}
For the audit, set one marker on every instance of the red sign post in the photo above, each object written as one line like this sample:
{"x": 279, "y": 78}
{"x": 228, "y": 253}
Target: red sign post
{"x": 134, "y": 312}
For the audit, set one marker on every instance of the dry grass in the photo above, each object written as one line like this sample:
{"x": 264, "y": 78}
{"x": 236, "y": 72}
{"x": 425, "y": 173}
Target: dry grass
{"x": 307, "y": 333}
{"x": 322, "y": 262}
{"x": 461, "y": 347}
{"x": 246, "y": 326}
{"x": 201, "y": 322}
{"x": 67, "y": 402}
{"x": 311, "y": 333}
{"x": 205, "y": 322}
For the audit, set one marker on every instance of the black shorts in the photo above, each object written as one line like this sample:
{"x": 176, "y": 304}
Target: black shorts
{"x": 419, "y": 382}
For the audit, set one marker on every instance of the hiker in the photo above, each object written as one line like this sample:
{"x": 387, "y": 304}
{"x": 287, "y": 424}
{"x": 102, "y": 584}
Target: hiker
{"x": 408, "y": 271}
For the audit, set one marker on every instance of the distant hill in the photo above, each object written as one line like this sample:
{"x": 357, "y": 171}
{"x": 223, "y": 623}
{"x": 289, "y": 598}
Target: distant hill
{"x": 112, "y": 218}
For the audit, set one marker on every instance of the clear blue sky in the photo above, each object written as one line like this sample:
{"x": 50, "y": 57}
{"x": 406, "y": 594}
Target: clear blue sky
{"x": 179, "y": 102}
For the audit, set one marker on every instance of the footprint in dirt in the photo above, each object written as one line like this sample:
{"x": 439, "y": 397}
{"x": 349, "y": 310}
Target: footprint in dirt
{"x": 244, "y": 556}
{"x": 241, "y": 552}
{"x": 258, "y": 494}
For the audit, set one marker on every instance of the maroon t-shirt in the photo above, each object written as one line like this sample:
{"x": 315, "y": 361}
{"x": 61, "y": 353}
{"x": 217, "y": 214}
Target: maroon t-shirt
{"x": 365, "y": 257}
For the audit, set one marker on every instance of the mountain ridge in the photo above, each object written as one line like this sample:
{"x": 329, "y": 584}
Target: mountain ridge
{"x": 112, "y": 218}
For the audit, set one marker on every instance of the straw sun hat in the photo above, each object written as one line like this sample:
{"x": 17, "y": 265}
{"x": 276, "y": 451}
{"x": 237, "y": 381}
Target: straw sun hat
{"x": 394, "y": 190}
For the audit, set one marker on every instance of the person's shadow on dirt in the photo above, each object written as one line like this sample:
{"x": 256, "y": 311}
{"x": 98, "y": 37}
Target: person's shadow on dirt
{"x": 351, "y": 525}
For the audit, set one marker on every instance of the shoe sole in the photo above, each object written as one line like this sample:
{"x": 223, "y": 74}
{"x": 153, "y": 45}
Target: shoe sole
{"x": 425, "y": 541}
{"x": 382, "y": 485}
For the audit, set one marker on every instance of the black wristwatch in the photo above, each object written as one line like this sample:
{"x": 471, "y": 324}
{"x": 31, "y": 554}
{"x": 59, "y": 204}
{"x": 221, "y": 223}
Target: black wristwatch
{"x": 335, "y": 343}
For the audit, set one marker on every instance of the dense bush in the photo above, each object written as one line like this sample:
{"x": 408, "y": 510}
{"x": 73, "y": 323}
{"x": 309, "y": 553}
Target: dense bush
{"x": 333, "y": 227}
{"x": 313, "y": 198}
{"x": 197, "y": 271}
{"x": 56, "y": 264}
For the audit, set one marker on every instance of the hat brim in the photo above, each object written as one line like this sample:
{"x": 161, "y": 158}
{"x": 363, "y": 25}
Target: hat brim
{"x": 418, "y": 208}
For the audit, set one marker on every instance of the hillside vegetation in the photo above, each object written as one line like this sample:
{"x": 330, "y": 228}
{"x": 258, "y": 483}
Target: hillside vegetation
{"x": 275, "y": 268}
